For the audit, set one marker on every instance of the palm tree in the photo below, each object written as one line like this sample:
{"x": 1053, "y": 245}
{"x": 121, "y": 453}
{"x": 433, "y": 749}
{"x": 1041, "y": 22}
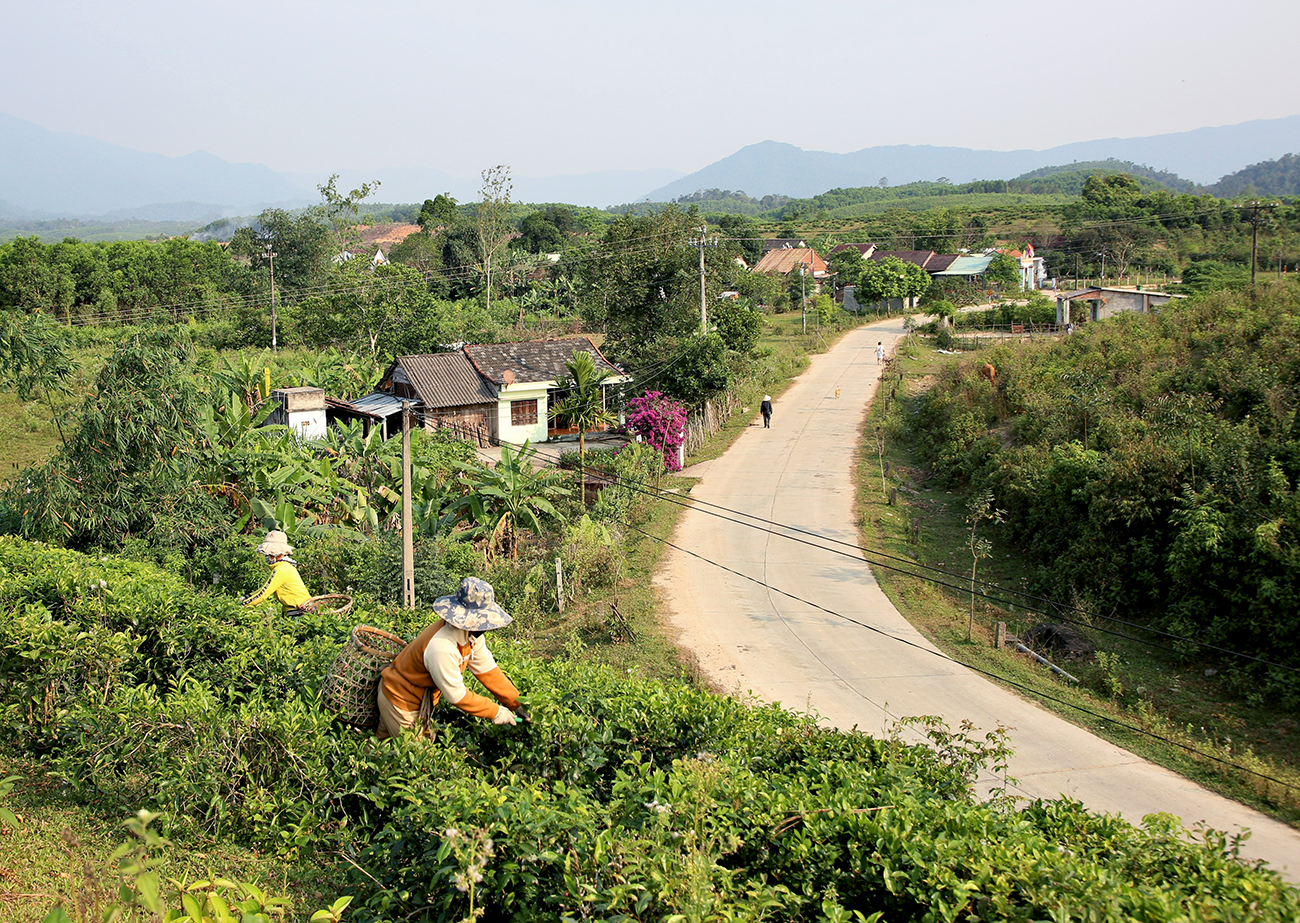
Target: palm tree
{"x": 584, "y": 404}
{"x": 502, "y": 498}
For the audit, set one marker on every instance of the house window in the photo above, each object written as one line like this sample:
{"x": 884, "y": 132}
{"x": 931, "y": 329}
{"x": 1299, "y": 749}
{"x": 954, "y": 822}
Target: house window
{"x": 523, "y": 413}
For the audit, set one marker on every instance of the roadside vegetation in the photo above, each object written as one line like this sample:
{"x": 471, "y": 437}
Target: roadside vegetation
{"x": 1103, "y": 453}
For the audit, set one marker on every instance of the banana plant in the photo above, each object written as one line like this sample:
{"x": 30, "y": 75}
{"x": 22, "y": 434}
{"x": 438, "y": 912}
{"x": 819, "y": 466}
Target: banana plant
{"x": 500, "y": 499}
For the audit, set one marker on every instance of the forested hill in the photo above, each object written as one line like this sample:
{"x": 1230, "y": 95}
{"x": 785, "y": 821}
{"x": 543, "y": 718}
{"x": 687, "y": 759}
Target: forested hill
{"x": 1272, "y": 177}
{"x": 1069, "y": 178}
{"x": 1150, "y": 465}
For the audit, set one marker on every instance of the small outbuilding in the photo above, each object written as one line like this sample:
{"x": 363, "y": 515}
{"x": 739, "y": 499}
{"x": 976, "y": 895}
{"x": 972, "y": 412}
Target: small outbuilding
{"x": 1100, "y": 302}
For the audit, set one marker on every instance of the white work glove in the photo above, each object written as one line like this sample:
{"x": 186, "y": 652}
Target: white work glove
{"x": 504, "y": 716}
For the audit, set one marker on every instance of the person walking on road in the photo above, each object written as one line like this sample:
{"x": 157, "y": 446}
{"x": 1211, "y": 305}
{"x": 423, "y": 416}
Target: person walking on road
{"x": 766, "y": 410}
{"x": 880, "y": 352}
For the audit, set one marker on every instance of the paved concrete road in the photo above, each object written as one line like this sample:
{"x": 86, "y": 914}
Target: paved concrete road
{"x": 752, "y": 637}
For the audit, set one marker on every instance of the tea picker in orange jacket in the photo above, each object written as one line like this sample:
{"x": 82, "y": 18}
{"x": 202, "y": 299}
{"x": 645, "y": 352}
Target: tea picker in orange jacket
{"x": 432, "y": 667}
{"x": 285, "y": 583}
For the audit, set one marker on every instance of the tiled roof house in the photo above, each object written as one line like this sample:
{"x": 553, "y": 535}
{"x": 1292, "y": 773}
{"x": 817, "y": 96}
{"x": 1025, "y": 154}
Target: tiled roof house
{"x": 490, "y": 392}
{"x": 786, "y": 261}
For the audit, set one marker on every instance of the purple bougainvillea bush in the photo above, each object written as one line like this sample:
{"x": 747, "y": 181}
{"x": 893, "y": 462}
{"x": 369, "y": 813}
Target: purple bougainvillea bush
{"x": 660, "y": 421}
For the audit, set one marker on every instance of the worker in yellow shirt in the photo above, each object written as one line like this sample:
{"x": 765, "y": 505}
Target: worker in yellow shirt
{"x": 285, "y": 583}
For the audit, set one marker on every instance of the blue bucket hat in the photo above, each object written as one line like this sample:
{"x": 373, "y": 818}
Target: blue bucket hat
{"x": 473, "y": 608}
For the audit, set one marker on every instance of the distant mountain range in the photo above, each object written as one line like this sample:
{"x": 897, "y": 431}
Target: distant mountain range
{"x": 46, "y": 174}
{"x": 415, "y": 184}
{"x": 770, "y": 167}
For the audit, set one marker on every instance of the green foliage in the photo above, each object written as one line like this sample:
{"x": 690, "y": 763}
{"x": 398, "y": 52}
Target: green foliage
{"x": 113, "y": 477}
{"x": 1214, "y": 276}
{"x": 501, "y": 499}
{"x": 881, "y": 280}
{"x": 136, "y": 864}
{"x": 641, "y": 284}
{"x": 582, "y": 397}
{"x": 623, "y": 797}
{"x": 633, "y": 470}
{"x": 1037, "y": 308}
{"x": 738, "y": 322}
{"x": 1004, "y": 272}
{"x": 1148, "y": 463}
{"x": 7, "y": 817}
{"x": 545, "y": 231}
{"x": 300, "y": 244}
{"x": 700, "y": 369}
{"x": 120, "y": 281}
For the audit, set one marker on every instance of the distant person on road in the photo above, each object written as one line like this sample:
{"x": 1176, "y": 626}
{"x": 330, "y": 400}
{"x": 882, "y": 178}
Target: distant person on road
{"x": 766, "y": 410}
{"x": 880, "y": 352}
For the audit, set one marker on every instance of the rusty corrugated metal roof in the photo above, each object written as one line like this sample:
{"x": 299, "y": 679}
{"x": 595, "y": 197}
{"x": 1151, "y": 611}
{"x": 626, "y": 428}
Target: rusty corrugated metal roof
{"x": 533, "y": 360}
{"x": 446, "y": 380}
{"x": 789, "y": 260}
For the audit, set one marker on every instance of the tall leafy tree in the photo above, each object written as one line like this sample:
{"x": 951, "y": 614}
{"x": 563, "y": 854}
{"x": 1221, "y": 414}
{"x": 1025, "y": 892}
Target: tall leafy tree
{"x": 29, "y": 280}
{"x": 300, "y": 242}
{"x": 34, "y": 358}
{"x": 116, "y": 473}
{"x": 545, "y": 231}
{"x": 641, "y": 283}
{"x": 891, "y": 278}
{"x": 343, "y": 211}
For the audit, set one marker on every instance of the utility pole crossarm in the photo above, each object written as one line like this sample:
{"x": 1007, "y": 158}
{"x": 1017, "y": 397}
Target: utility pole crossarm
{"x": 701, "y": 242}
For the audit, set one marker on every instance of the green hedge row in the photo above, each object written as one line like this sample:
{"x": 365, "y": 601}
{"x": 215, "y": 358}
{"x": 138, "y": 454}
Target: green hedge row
{"x": 622, "y": 799}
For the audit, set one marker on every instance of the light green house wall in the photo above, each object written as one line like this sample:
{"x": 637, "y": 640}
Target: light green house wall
{"x": 533, "y": 432}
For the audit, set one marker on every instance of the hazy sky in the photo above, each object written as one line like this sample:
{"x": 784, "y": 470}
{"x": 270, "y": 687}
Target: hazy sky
{"x": 572, "y": 87}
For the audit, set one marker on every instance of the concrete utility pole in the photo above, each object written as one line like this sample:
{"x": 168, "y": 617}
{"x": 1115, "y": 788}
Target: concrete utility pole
{"x": 270, "y": 256}
{"x": 408, "y": 543}
{"x": 803, "y": 298}
{"x": 701, "y": 242}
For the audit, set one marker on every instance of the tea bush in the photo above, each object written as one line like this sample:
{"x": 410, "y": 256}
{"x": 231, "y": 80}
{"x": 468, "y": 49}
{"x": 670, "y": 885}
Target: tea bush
{"x": 622, "y": 799}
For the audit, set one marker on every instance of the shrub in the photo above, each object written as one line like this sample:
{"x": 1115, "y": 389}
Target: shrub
{"x": 623, "y": 798}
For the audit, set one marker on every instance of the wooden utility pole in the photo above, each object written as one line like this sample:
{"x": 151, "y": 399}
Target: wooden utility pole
{"x": 408, "y": 543}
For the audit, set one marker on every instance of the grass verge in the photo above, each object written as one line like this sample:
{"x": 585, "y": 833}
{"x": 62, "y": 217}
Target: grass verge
{"x": 59, "y": 854}
{"x": 1133, "y": 694}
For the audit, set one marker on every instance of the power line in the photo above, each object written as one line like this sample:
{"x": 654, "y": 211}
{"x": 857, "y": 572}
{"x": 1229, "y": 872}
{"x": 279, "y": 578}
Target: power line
{"x": 985, "y": 590}
{"x": 988, "y": 673}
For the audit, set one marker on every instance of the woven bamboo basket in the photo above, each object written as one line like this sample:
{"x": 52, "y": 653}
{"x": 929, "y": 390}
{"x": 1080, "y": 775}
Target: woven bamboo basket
{"x": 353, "y": 680}
{"x": 329, "y": 604}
